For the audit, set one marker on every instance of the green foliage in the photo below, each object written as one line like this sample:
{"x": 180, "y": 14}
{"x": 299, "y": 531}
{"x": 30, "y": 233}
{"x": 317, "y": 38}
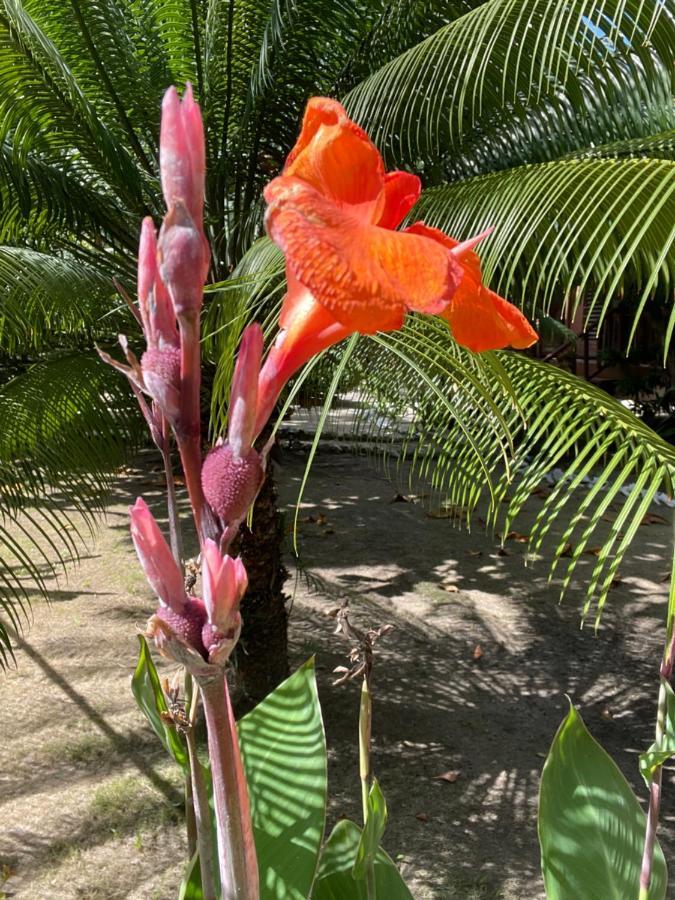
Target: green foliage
{"x": 335, "y": 880}
{"x": 284, "y": 754}
{"x": 661, "y": 751}
{"x": 149, "y": 696}
{"x": 551, "y": 121}
{"x": 591, "y": 826}
{"x": 369, "y": 842}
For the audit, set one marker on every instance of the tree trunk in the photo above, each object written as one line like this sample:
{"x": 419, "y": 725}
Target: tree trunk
{"x": 262, "y": 653}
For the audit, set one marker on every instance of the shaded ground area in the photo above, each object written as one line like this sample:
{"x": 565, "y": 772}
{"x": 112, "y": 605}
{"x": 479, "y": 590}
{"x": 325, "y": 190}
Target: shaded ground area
{"x": 471, "y": 680}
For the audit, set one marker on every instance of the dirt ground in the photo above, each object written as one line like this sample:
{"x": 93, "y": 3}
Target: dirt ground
{"x": 472, "y": 680}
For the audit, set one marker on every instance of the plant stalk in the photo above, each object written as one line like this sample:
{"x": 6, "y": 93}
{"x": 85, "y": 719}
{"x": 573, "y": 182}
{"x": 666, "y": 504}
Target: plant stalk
{"x": 175, "y": 534}
{"x": 655, "y": 786}
{"x": 202, "y": 817}
{"x": 365, "y": 767}
{"x": 188, "y": 432}
{"x": 236, "y": 849}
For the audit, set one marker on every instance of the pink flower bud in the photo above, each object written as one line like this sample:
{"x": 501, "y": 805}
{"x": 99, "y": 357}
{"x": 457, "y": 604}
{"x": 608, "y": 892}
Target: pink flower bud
{"x": 157, "y": 315}
{"x": 183, "y": 259}
{"x": 230, "y": 483}
{"x": 182, "y": 153}
{"x": 224, "y": 583}
{"x": 161, "y": 569}
{"x": 244, "y": 393}
{"x": 187, "y": 625}
{"x": 161, "y": 378}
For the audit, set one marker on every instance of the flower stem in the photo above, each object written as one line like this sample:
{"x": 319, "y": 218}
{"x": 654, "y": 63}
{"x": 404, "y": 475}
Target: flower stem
{"x": 655, "y": 787}
{"x": 365, "y": 767}
{"x": 188, "y": 432}
{"x": 202, "y": 820}
{"x": 175, "y": 534}
{"x": 236, "y": 849}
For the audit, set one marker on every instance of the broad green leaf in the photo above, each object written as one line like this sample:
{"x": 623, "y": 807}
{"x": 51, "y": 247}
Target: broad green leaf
{"x": 335, "y": 880}
{"x": 191, "y": 885}
{"x": 148, "y": 693}
{"x": 657, "y": 755}
{"x": 284, "y": 753}
{"x": 591, "y": 826}
{"x": 376, "y": 822}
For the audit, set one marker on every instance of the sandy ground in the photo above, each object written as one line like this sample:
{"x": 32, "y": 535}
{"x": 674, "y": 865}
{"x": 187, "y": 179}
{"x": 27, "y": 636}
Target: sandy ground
{"x": 471, "y": 680}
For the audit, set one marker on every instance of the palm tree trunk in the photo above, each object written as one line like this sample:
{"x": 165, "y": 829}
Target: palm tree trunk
{"x": 262, "y": 652}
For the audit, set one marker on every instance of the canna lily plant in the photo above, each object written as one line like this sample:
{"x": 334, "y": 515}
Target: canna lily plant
{"x": 334, "y": 212}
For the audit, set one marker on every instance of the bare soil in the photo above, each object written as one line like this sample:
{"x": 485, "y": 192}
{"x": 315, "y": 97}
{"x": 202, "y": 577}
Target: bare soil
{"x": 471, "y": 681}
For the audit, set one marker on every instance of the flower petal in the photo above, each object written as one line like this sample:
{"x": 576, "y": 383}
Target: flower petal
{"x": 480, "y": 319}
{"x": 338, "y": 158}
{"x": 401, "y": 193}
{"x": 364, "y": 275}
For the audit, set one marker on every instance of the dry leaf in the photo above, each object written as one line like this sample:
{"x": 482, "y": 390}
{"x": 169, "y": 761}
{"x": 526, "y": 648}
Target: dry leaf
{"x": 654, "y": 519}
{"x": 450, "y": 776}
{"x": 477, "y": 652}
{"x": 423, "y": 817}
{"x": 516, "y": 536}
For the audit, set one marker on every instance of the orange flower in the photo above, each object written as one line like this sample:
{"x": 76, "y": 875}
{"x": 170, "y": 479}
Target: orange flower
{"x": 333, "y": 212}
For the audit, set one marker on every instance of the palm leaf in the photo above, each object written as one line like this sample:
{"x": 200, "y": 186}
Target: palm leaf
{"x": 602, "y": 66}
{"x": 564, "y": 226}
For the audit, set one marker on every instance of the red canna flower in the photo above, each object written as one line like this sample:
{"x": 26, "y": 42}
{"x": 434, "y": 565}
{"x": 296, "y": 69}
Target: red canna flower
{"x": 333, "y": 212}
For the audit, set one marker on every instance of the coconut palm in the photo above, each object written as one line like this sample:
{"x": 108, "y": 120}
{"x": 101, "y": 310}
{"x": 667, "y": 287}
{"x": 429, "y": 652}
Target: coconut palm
{"x": 552, "y": 121}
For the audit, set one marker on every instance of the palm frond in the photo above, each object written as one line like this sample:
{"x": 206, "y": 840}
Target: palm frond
{"x": 51, "y": 301}
{"x": 612, "y": 466}
{"x": 565, "y": 226}
{"x": 72, "y": 422}
{"x": 467, "y": 96}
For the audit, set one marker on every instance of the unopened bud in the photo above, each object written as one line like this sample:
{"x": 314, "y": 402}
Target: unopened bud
{"x": 230, "y": 483}
{"x": 161, "y": 377}
{"x": 183, "y": 259}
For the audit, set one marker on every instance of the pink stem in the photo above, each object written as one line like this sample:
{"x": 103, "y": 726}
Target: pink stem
{"x": 188, "y": 432}
{"x": 236, "y": 848}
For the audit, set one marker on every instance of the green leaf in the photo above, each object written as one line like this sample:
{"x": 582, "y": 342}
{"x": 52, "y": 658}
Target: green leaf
{"x": 191, "y": 885}
{"x": 376, "y": 822}
{"x": 149, "y": 697}
{"x": 284, "y": 754}
{"x": 591, "y": 826}
{"x": 657, "y": 755}
{"x": 335, "y": 880}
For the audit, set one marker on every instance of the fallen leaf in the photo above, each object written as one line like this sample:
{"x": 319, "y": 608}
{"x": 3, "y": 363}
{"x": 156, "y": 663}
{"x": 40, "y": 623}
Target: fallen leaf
{"x": 450, "y": 776}
{"x": 423, "y": 817}
{"x": 516, "y": 536}
{"x": 477, "y": 652}
{"x": 654, "y": 519}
